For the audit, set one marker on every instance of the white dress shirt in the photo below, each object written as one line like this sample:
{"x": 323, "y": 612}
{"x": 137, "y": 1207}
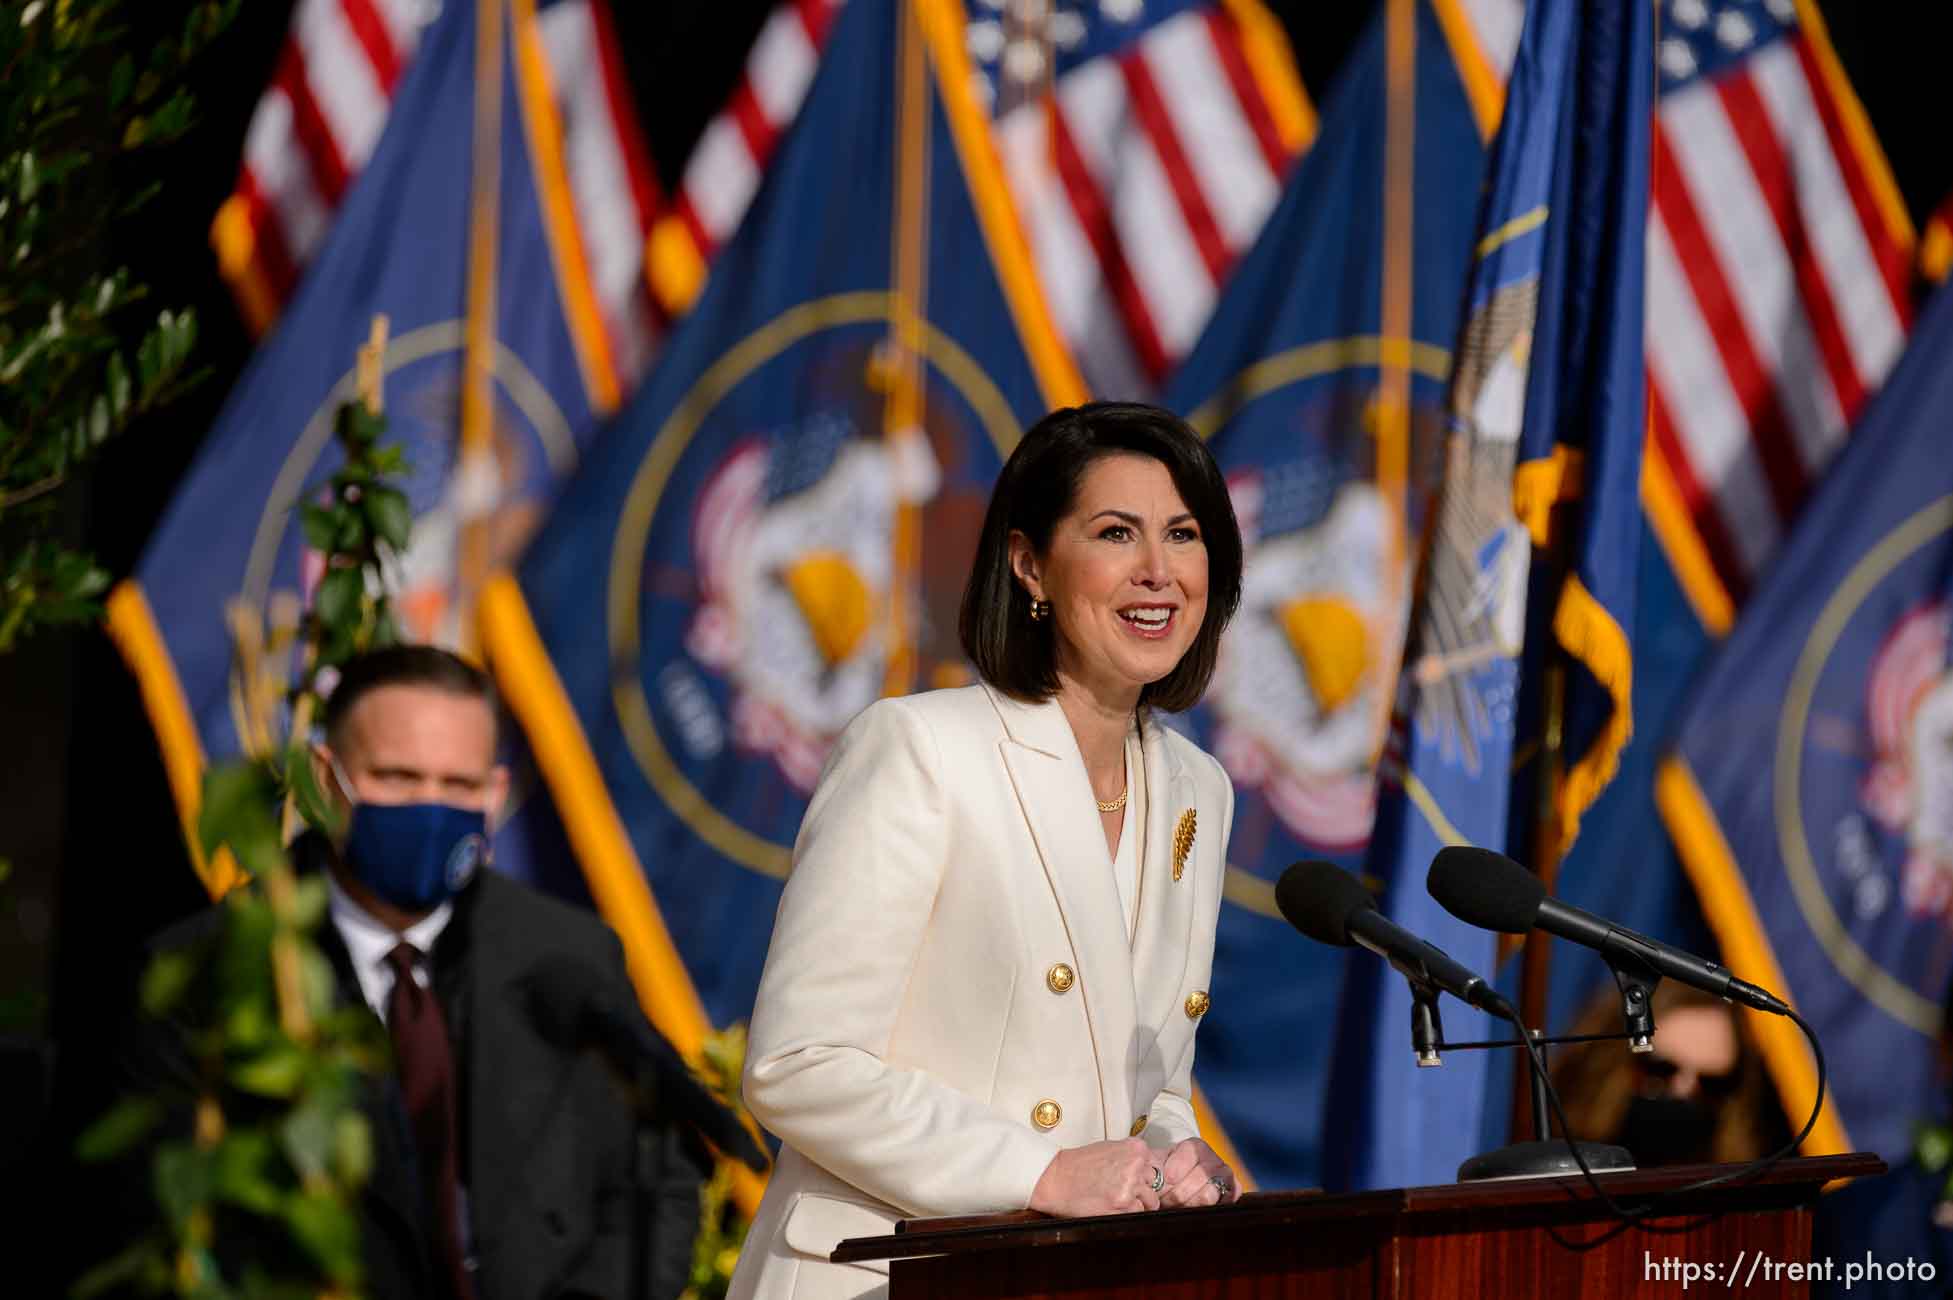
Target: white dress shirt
{"x": 368, "y": 942}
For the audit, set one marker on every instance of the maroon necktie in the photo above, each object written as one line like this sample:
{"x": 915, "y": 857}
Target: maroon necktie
{"x": 426, "y": 1065}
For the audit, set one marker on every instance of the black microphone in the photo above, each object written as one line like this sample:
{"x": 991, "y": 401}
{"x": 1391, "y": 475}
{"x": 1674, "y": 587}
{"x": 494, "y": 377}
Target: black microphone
{"x": 1493, "y": 892}
{"x": 1328, "y": 904}
{"x": 573, "y": 1004}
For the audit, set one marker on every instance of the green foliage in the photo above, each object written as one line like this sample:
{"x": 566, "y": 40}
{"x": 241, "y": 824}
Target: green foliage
{"x": 79, "y": 357}
{"x": 362, "y": 523}
{"x": 260, "y": 1200}
{"x": 1932, "y": 1150}
{"x": 721, "y": 1227}
{"x": 128, "y": 1122}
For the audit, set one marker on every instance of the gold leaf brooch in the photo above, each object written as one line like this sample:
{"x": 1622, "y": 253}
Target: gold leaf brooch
{"x": 1183, "y": 836}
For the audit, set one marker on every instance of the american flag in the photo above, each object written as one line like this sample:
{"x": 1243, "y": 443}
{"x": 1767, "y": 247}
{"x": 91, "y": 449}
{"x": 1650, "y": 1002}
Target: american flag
{"x": 317, "y": 123}
{"x": 1778, "y": 280}
{"x": 723, "y": 172}
{"x": 1145, "y": 164}
{"x": 1139, "y": 181}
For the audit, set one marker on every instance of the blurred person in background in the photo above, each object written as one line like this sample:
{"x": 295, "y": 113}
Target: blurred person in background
{"x": 503, "y": 1141}
{"x": 1702, "y": 1096}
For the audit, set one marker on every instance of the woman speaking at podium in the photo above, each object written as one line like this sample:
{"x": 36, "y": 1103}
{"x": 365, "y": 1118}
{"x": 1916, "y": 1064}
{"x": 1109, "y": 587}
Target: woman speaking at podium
{"x": 993, "y": 950}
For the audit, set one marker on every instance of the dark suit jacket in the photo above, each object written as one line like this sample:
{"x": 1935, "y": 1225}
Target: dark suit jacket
{"x": 548, "y": 1140}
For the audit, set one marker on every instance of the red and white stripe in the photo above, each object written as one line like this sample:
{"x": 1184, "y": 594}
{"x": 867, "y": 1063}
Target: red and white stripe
{"x": 723, "y": 173}
{"x": 317, "y": 123}
{"x": 319, "y": 120}
{"x": 1141, "y": 179}
{"x": 1777, "y": 297}
{"x": 612, "y": 186}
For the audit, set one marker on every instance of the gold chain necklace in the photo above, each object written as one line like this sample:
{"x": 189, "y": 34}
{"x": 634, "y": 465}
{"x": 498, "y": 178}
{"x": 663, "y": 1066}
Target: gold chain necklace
{"x": 1113, "y": 805}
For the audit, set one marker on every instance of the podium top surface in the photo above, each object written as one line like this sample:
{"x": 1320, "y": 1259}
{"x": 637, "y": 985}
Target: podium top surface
{"x": 1786, "y": 1179}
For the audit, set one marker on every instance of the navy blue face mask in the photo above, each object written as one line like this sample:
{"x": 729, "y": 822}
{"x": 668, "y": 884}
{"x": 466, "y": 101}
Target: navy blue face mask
{"x": 415, "y": 856}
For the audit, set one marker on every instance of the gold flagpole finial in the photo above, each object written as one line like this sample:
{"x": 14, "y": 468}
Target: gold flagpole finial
{"x": 372, "y": 353}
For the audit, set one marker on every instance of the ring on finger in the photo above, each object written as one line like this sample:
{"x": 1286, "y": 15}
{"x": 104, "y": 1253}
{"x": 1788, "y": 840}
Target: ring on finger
{"x": 1159, "y": 1178}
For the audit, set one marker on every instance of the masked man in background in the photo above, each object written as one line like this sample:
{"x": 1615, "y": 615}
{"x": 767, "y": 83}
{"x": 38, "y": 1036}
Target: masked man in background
{"x": 504, "y": 1139}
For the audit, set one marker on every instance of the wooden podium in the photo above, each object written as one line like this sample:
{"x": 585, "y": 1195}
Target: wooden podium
{"x": 1547, "y": 1236}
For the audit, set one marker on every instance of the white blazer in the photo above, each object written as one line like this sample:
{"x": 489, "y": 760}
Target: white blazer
{"x": 950, "y": 996}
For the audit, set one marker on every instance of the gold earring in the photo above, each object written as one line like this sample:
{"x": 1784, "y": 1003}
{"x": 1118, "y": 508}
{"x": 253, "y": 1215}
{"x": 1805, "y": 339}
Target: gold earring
{"x": 1040, "y": 610}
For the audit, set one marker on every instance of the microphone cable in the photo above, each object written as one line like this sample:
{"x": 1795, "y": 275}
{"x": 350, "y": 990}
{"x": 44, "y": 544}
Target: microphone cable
{"x": 1631, "y": 1216}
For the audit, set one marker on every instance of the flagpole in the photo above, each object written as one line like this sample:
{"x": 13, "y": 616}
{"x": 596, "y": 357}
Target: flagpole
{"x": 901, "y": 369}
{"x": 477, "y": 429}
{"x": 1537, "y": 953}
{"x": 1390, "y": 412}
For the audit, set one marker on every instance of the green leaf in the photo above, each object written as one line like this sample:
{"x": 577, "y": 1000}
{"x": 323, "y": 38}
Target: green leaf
{"x": 119, "y": 387}
{"x": 337, "y": 603}
{"x": 320, "y": 985}
{"x": 27, "y": 182}
{"x": 240, "y": 1172}
{"x": 310, "y": 901}
{"x": 308, "y": 1135}
{"x": 87, "y": 584}
{"x": 356, "y": 426}
{"x": 180, "y": 1178}
{"x": 350, "y": 536}
{"x": 122, "y": 79}
{"x": 98, "y": 420}
{"x": 239, "y": 799}
{"x": 276, "y": 1071}
{"x": 320, "y": 525}
{"x": 1933, "y": 1147}
{"x": 166, "y": 337}
{"x": 247, "y": 1021}
{"x": 337, "y": 645}
{"x": 164, "y": 980}
{"x": 359, "y": 1032}
{"x": 352, "y": 1148}
{"x": 325, "y": 1226}
{"x": 319, "y": 812}
{"x": 392, "y": 518}
{"x": 183, "y": 335}
{"x": 121, "y": 1127}
{"x": 149, "y": 362}
{"x": 144, "y": 1265}
{"x": 170, "y": 119}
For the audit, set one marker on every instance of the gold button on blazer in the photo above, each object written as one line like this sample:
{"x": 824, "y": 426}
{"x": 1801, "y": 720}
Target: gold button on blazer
{"x": 905, "y": 1041}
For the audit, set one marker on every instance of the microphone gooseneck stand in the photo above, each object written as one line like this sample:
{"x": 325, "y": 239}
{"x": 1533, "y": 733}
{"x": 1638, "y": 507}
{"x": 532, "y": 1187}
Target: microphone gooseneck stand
{"x": 1545, "y": 1155}
{"x": 1568, "y": 1156}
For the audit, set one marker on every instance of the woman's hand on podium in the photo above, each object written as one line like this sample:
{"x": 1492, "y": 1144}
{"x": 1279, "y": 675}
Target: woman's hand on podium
{"x": 1101, "y": 1178}
{"x": 1196, "y": 1175}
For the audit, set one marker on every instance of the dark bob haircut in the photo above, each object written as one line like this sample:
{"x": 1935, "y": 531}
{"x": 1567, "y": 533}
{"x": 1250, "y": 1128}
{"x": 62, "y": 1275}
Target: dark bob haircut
{"x": 1037, "y": 487}
{"x": 401, "y": 665}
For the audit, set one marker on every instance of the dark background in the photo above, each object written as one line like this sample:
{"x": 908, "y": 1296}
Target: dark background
{"x": 85, "y": 813}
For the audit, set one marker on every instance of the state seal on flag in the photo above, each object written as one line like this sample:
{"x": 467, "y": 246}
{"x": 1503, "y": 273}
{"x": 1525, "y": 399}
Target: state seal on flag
{"x": 475, "y": 504}
{"x": 794, "y": 548}
{"x": 1864, "y": 772}
{"x": 1299, "y": 706}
